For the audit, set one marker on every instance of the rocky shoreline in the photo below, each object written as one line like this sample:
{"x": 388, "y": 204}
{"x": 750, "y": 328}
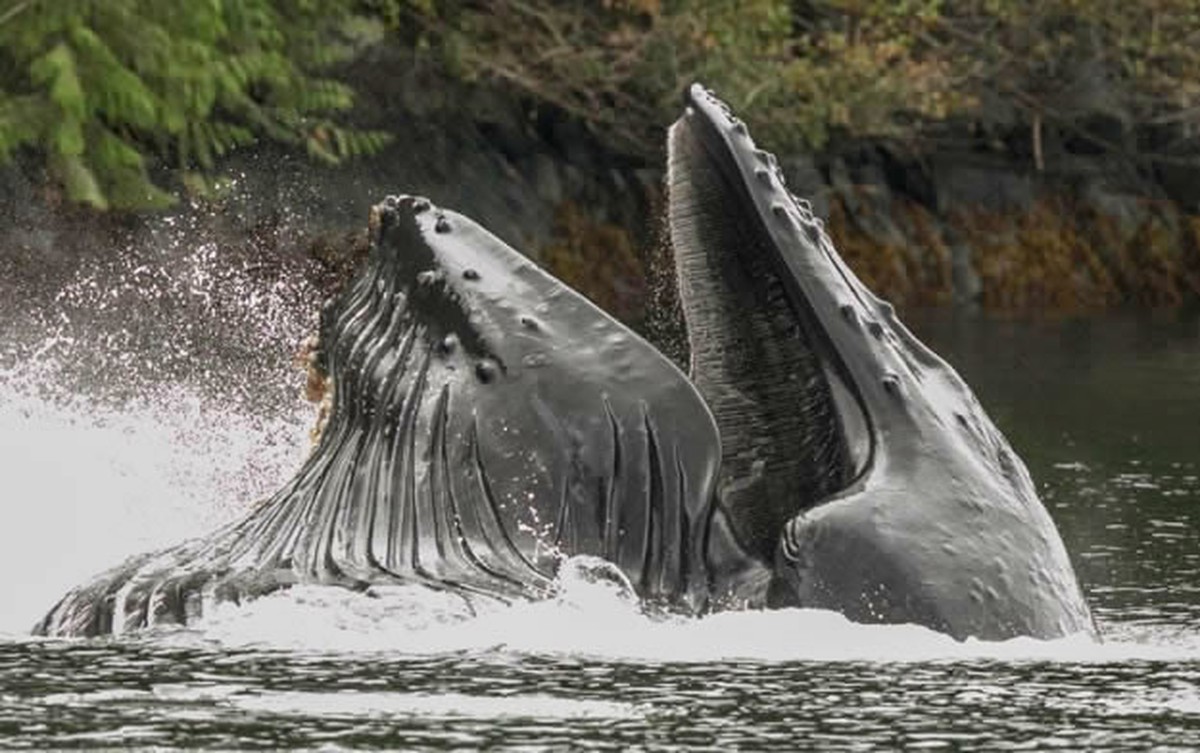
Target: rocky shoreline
{"x": 968, "y": 228}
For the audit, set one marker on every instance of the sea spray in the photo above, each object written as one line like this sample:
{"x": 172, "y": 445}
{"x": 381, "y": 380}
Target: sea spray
{"x": 149, "y": 398}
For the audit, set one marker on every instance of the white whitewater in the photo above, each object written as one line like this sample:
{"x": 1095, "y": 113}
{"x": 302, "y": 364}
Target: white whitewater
{"x": 149, "y": 399}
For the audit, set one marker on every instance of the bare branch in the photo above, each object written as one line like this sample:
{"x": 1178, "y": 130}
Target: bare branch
{"x": 14, "y": 11}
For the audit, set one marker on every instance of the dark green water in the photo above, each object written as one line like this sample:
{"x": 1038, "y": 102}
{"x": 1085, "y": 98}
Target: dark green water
{"x": 1105, "y": 411}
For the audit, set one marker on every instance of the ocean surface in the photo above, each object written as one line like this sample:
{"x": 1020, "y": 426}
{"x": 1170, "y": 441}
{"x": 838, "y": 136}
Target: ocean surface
{"x": 154, "y": 398}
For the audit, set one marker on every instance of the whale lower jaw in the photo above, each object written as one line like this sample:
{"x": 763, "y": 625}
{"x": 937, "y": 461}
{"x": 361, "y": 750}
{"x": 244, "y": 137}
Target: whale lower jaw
{"x": 486, "y": 422}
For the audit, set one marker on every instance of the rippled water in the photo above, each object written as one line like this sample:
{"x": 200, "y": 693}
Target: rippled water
{"x": 1106, "y": 411}
{"x": 125, "y": 693}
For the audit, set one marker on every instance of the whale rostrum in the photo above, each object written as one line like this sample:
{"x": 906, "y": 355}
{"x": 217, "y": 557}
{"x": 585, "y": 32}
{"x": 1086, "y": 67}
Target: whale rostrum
{"x": 485, "y": 422}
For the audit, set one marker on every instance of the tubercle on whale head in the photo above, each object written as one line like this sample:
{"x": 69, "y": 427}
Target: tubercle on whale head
{"x": 433, "y": 264}
{"x": 475, "y": 298}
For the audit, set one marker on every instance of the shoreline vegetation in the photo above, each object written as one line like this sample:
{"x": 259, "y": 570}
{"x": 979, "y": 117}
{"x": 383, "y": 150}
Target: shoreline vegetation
{"x": 1026, "y": 155}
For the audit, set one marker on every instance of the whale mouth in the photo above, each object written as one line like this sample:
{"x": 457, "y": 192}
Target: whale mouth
{"x": 794, "y": 429}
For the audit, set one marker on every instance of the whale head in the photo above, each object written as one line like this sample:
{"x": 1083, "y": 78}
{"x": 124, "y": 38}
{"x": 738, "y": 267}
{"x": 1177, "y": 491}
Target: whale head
{"x": 854, "y": 458}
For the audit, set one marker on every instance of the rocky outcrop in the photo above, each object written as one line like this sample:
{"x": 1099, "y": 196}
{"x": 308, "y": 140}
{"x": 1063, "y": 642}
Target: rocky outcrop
{"x": 989, "y": 230}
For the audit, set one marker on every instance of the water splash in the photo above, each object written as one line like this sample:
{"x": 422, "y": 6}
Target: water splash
{"x": 148, "y": 399}
{"x": 595, "y": 621}
{"x": 87, "y": 485}
{"x": 130, "y": 325}
{"x": 153, "y": 397}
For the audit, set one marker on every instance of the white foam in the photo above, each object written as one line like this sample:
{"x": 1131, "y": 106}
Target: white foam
{"x": 355, "y": 704}
{"x": 594, "y": 620}
{"x": 348, "y": 704}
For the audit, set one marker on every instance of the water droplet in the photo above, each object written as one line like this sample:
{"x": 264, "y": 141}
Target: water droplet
{"x": 891, "y": 383}
{"x": 449, "y": 343}
{"x": 764, "y": 176}
{"x": 470, "y": 274}
{"x": 875, "y": 328}
{"x": 739, "y": 127}
{"x": 779, "y": 210}
{"x": 421, "y": 204}
{"x": 529, "y": 323}
{"x": 847, "y": 312}
{"x": 442, "y": 225}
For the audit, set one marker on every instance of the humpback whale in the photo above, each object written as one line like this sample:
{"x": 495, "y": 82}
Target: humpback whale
{"x": 486, "y": 422}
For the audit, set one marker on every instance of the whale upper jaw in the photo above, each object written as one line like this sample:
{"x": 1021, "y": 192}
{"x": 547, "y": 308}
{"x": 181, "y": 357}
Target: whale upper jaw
{"x": 929, "y": 515}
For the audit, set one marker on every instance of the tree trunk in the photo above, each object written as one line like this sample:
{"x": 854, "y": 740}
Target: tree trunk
{"x": 1039, "y": 161}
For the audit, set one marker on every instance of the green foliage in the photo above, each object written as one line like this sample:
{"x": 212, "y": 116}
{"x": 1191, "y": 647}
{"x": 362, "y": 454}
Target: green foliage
{"x": 108, "y": 89}
{"x": 620, "y": 65}
{"x": 1065, "y": 62}
{"x": 113, "y": 92}
{"x": 860, "y": 67}
{"x": 807, "y": 70}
